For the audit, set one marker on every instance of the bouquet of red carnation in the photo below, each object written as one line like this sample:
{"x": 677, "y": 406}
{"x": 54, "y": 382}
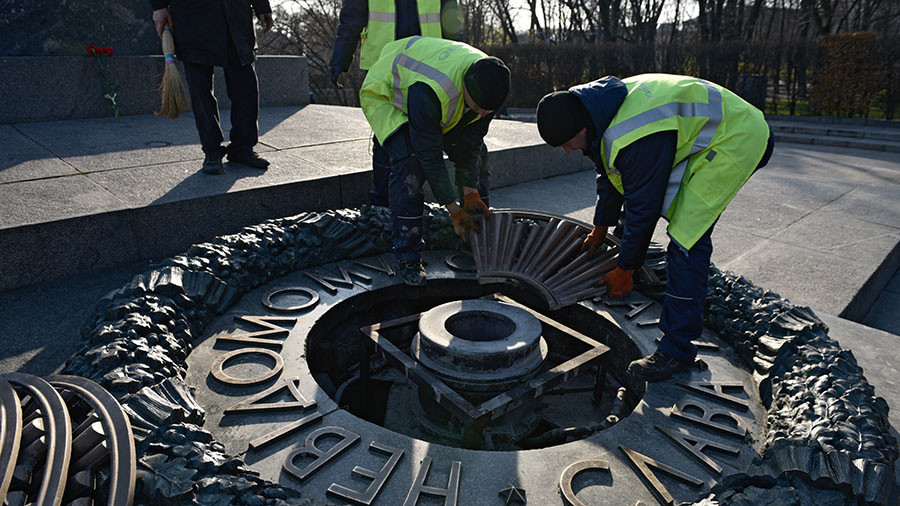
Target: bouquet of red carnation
{"x": 112, "y": 90}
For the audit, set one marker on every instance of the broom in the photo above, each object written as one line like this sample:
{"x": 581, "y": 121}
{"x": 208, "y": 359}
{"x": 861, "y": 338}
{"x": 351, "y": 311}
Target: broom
{"x": 174, "y": 95}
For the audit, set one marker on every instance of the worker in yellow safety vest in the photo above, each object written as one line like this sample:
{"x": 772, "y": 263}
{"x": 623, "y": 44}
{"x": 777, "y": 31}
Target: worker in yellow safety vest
{"x": 424, "y": 97}
{"x": 669, "y": 146}
{"x": 375, "y": 23}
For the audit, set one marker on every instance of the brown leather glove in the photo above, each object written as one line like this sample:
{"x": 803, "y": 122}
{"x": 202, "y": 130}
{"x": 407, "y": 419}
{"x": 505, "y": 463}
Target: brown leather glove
{"x": 619, "y": 282}
{"x": 462, "y": 222}
{"x": 472, "y": 203}
{"x": 594, "y": 240}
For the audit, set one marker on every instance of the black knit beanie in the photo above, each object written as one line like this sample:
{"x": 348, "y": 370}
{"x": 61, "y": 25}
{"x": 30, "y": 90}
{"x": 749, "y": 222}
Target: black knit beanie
{"x": 560, "y": 116}
{"x": 487, "y": 82}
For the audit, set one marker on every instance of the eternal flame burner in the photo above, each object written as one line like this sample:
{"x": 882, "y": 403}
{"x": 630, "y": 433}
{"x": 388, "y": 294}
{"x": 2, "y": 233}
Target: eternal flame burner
{"x": 479, "y": 347}
{"x": 480, "y": 365}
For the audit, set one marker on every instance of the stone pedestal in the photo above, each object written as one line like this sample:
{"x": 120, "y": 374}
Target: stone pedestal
{"x": 54, "y": 28}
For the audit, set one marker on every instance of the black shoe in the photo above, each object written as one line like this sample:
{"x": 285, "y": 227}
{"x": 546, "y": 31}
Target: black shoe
{"x": 212, "y": 164}
{"x": 248, "y": 158}
{"x": 657, "y": 367}
{"x": 411, "y": 272}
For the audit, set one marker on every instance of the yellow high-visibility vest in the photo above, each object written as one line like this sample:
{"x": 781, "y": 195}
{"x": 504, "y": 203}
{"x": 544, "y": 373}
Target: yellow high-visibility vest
{"x": 381, "y": 27}
{"x": 439, "y": 63}
{"x": 721, "y": 140}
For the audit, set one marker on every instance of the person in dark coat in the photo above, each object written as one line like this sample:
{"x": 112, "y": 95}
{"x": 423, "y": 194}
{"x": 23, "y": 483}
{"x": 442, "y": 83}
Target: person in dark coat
{"x": 219, "y": 33}
{"x": 354, "y": 20}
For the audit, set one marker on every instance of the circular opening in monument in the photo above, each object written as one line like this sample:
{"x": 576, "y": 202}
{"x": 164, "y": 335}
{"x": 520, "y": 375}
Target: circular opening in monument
{"x": 382, "y": 390}
{"x": 480, "y": 326}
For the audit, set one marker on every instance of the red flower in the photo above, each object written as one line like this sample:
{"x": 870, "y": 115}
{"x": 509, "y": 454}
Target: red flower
{"x": 99, "y": 50}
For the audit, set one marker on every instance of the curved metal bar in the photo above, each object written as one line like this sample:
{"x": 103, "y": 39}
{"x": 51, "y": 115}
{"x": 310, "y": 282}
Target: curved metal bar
{"x": 10, "y": 434}
{"x": 123, "y": 465}
{"x": 537, "y": 285}
{"x": 58, "y": 434}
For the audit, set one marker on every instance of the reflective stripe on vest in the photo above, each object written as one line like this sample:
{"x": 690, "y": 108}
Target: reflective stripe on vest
{"x": 384, "y": 17}
{"x": 443, "y": 80}
{"x": 391, "y": 17}
{"x": 712, "y": 111}
{"x": 430, "y": 17}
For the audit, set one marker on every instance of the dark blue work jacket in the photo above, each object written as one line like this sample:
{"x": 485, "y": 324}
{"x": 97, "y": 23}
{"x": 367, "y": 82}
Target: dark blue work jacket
{"x": 644, "y": 164}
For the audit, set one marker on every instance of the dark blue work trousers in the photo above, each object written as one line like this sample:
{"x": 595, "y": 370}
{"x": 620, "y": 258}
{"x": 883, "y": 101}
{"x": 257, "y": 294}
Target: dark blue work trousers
{"x": 682, "y": 313}
{"x": 407, "y": 201}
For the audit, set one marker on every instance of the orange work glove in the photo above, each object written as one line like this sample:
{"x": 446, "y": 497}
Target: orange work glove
{"x": 472, "y": 203}
{"x": 594, "y": 240}
{"x": 462, "y": 222}
{"x": 619, "y": 282}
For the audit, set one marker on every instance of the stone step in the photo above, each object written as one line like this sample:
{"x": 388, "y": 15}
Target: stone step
{"x": 843, "y": 131}
{"x": 131, "y": 191}
{"x": 838, "y": 141}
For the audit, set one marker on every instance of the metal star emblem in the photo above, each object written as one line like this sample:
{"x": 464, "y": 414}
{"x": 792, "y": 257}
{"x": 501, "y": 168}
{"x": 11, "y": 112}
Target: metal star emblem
{"x": 513, "y": 494}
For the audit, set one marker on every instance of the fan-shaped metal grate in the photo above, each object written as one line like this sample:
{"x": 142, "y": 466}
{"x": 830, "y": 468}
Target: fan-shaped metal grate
{"x": 542, "y": 251}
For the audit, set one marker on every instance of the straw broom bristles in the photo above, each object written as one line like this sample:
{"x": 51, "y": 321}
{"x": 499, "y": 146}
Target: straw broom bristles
{"x": 174, "y": 95}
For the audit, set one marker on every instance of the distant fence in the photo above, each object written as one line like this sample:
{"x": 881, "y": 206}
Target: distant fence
{"x": 848, "y": 75}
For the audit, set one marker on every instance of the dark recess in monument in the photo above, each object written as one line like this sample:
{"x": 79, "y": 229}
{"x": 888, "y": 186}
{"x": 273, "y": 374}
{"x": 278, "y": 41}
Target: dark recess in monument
{"x": 554, "y": 411}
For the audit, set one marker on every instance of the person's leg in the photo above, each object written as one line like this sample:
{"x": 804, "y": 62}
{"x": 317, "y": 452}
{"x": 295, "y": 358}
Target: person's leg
{"x": 682, "y": 314}
{"x": 681, "y": 319}
{"x": 243, "y": 90}
{"x": 205, "y": 109}
{"x": 381, "y": 171}
{"x": 407, "y": 200}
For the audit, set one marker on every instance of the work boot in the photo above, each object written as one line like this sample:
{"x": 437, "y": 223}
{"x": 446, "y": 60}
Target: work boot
{"x": 248, "y": 158}
{"x": 411, "y": 272}
{"x": 657, "y": 367}
{"x": 212, "y": 164}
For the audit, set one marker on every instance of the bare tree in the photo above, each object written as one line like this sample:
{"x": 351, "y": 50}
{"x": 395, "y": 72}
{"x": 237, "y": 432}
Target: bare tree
{"x": 308, "y": 27}
{"x": 501, "y": 11}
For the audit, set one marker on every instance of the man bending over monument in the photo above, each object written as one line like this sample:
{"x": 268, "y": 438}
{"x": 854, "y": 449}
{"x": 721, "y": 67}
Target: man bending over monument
{"x": 672, "y": 146}
{"x": 422, "y": 97}
{"x": 212, "y": 33}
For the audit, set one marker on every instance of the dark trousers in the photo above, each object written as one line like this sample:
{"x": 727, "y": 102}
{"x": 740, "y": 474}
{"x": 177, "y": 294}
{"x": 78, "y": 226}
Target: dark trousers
{"x": 682, "y": 313}
{"x": 407, "y": 201}
{"x": 688, "y": 271}
{"x": 381, "y": 172}
{"x": 243, "y": 91}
